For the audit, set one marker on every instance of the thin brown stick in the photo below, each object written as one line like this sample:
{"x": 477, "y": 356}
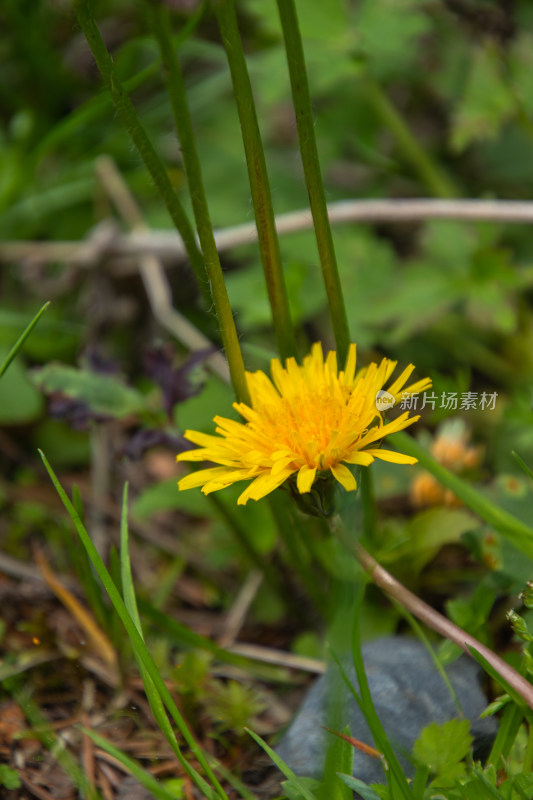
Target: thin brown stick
{"x": 168, "y": 245}
{"x": 434, "y": 620}
{"x": 270, "y": 655}
{"x": 237, "y": 613}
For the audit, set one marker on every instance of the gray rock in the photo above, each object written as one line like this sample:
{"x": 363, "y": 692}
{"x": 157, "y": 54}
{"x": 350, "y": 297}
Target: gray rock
{"x": 408, "y": 693}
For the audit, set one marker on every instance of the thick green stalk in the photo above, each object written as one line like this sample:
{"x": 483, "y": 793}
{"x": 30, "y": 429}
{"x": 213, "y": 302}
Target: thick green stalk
{"x": 97, "y": 106}
{"x": 182, "y": 119}
{"x": 429, "y": 173}
{"x": 257, "y": 173}
{"x": 313, "y": 175}
{"x": 127, "y": 115}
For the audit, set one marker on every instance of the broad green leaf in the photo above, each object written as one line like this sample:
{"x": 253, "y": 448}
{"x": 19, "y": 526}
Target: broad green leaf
{"x": 9, "y": 778}
{"x": 487, "y": 102}
{"x": 521, "y": 68}
{"x": 448, "y": 245}
{"x": 479, "y": 786}
{"x": 423, "y": 536}
{"x": 20, "y": 401}
{"x": 517, "y": 532}
{"x": 443, "y": 747}
{"x": 524, "y": 783}
{"x": 165, "y": 496}
{"x": 103, "y": 394}
{"x": 197, "y": 413}
{"x": 389, "y": 32}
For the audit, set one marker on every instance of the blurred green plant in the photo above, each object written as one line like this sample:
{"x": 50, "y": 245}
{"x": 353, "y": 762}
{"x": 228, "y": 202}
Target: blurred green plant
{"x": 404, "y": 104}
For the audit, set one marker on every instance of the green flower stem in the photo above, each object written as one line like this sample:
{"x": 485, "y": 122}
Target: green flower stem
{"x": 313, "y": 175}
{"x": 368, "y": 501}
{"x": 182, "y": 119}
{"x": 518, "y": 533}
{"x": 258, "y": 177}
{"x": 429, "y": 172}
{"x": 298, "y": 554}
{"x": 429, "y": 616}
{"x": 94, "y": 108}
{"x": 127, "y": 115}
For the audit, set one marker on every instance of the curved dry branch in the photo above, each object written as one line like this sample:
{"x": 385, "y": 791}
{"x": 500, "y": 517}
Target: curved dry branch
{"x": 167, "y": 245}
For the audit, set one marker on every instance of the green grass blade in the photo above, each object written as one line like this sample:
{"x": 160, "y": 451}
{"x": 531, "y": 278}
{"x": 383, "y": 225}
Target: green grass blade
{"x": 128, "y": 590}
{"x": 282, "y": 766}
{"x": 139, "y": 646}
{"x": 144, "y": 777}
{"x": 495, "y": 675}
{"x": 380, "y": 737}
{"x": 22, "y": 338}
{"x": 339, "y": 759}
{"x": 419, "y": 631}
{"x": 84, "y": 572}
{"x": 522, "y": 464}
{"x": 397, "y": 780}
{"x": 130, "y": 601}
{"x": 508, "y": 726}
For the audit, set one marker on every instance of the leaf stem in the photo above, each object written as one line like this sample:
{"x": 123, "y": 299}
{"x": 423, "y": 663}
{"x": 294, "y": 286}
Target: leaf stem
{"x": 128, "y": 116}
{"x": 258, "y": 177}
{"x": 313, "y": 175}
{"x": 429, "y": 173}
{"x": 191, "y": 161}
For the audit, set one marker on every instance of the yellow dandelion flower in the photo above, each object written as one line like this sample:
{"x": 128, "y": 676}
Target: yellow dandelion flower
{"x": 307, "y": 421}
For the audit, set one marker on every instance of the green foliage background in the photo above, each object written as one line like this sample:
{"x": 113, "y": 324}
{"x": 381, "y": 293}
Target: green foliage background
{"x": 412, "y": 98}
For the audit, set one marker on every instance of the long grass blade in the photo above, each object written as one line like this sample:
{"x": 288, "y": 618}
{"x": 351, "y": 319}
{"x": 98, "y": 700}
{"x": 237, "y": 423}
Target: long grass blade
{"x": 22, "y": 338}
{"x": 140, "y": 647}
{"x": 282, "y": 766}
{"x": 130, "y": 602}
{"x": 397, "y": 779}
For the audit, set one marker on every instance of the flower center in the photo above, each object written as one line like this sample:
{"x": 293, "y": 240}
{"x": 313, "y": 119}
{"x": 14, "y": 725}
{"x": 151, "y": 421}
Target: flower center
{"x": 316, "y": 427}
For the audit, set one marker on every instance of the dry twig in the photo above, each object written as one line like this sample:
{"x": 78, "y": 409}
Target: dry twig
{"x": 168, "y": 246}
